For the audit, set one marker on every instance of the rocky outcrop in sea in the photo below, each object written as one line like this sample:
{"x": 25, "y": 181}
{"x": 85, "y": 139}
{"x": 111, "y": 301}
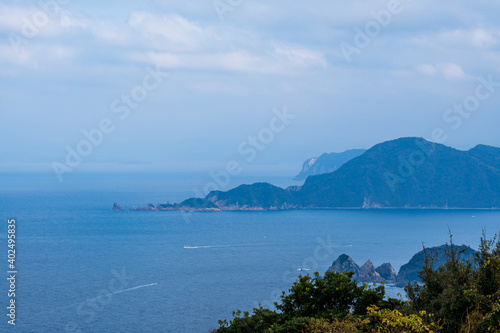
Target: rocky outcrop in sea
{"x": 117, "y": 207}
{"x": 344, "y": 263}
{"x": 408, "y": 273}
{"x": 387, "y": 272}
{"x": 365, "y": 273}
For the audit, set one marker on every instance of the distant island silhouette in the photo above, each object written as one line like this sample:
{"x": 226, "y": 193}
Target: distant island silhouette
{"x": 406, "y": 173}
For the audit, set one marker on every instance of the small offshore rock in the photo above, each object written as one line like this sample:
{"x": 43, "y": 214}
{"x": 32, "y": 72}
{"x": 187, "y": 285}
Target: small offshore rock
{"x": 387, "y": 272}
{"x": 344, "y": 263}
{"x": 368, "y": 273}
{"x": 116, "y": 206}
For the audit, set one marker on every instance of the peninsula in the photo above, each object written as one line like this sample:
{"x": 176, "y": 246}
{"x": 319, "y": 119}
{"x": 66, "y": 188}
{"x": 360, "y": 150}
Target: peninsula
{"x": 406, "y": 173}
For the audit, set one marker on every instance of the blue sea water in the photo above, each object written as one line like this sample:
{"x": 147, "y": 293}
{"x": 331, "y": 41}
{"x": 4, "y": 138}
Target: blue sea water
{"x": 83, "y": 267}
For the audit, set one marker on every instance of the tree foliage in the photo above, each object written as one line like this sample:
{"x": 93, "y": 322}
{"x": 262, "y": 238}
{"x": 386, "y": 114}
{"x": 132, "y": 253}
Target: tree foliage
{"x": 463, "y": 295}
{"x": 459, "y": 296}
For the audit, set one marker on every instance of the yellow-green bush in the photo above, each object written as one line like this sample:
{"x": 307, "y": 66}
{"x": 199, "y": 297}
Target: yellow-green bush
{"x": 393, "y": 321}
{"x": 334, "y": 326}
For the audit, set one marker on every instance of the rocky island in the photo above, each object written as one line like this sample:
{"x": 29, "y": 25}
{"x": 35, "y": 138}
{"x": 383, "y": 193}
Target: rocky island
{"x": 407, "y": 273}
{"x": 404, "y": 173}
{"x": 367, "y": 272}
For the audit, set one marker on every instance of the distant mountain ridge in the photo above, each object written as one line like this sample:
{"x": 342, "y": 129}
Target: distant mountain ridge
{"x": 402, "y": 173}
{"x": 409, "y": 173}
{"x": 327, "y": 163}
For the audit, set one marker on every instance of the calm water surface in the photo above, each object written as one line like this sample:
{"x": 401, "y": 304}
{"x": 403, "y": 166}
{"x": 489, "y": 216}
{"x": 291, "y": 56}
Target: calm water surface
{"x": 83, "y": 266}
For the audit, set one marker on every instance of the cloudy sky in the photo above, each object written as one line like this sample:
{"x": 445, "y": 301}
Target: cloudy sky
{"x": 341, "y": 74}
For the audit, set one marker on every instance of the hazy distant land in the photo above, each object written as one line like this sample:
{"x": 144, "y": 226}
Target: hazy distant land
{"x": 407, "y": 173}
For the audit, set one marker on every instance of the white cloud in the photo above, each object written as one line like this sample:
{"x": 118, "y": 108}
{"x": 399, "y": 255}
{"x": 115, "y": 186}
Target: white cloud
{"x": 460, "y": 38}
{"x": 289, "y": 48}
{"x": 70, "y": 20}
{"x": 177, "y": 41}
{"x": 451, "y": 71}
{"x": 173, "y": 41}
{"x": 238, "y": 61}
{"x": 113, "y": 34}
{"x": 7, "y": 55}
{"x": 168, "y": 31}
{"x": 11, "y": 18}
{"x": 481, "y": 37}
{"x": 35, "y": 55}
{"x": 448, "y": 70}
{"x": 36, "y": 22}
{"x": 301, "y": 57}
{"x": 61, "y": 52}
{"x": 427, "y": 69}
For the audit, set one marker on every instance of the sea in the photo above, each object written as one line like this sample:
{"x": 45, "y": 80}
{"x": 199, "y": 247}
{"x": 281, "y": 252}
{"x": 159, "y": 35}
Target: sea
{"x": 82, "y": 267}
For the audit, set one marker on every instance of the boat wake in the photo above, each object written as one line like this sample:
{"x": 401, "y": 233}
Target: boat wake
{"x": 216, "y": 246}
{"x": 205, "y": 247}
{"x": 106, "y": 295}
{"x": 133, "y": 288}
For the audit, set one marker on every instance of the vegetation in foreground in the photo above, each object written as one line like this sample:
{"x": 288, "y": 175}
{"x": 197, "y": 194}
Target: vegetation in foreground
{"x": 460, "y": 296}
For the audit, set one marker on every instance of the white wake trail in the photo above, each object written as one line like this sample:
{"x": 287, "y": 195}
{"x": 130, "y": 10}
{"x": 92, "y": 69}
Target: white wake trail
{"x": 110, "y": 294}
{"x": 133, "y": 288}
{"x": 218, "y": 246}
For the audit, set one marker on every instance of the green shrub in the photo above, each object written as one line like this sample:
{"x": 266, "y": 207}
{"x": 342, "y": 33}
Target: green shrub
{"x": 457, "y": 297}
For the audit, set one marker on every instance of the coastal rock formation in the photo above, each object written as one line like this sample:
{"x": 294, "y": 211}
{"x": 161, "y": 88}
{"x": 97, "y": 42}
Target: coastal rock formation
{"x": 116, "y": 206}
{"x": 344, "y": 263}
{"x": 368, "y": 273}
{"x": 387, "y": 272}
{"x": 327, "y": 163}
{"x": 189, "y": 205}
{"x": 149, "y": 207}
{"x": 365, "y": 273}
{"x": 409, "y": 272}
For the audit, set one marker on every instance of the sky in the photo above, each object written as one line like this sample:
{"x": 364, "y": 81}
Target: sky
{"x": 161, "y": 85}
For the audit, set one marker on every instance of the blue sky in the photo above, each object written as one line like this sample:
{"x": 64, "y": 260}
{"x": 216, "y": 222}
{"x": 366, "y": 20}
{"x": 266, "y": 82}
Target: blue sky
{"x": 229, "y": 68}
